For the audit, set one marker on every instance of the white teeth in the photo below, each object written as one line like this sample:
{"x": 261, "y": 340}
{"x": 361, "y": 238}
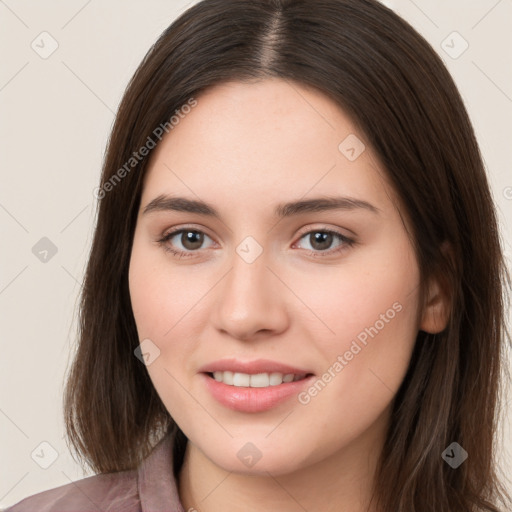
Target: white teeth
{"x": 241, "y": 380}
{"x": 259, "y": 380}
{"x": 276, "y": 379}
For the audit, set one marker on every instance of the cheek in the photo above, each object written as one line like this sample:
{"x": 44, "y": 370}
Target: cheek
{"x": 163, "y": 308}
{"x": 364, "y": 363}
{"x": 168, "y": 307}
{"x": 162, "y": 299}
{"x": 370, "y": 310}
{"x": 354, "y": 305}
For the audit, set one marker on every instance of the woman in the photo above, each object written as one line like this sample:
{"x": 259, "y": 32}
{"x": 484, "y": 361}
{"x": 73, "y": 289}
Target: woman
{"x": 294, "y": 298}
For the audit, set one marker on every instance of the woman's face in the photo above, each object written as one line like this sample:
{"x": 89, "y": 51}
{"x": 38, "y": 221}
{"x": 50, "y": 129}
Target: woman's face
{"x": 293, "y": 263}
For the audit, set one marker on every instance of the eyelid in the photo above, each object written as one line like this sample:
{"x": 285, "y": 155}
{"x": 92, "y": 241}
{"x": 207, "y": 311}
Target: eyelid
{"x": 186, "y": 227}
{"x": 308, "y": 229}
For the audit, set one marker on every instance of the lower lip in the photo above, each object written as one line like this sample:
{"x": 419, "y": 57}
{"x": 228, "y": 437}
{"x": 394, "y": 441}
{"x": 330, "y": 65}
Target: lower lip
{"x": 244, "y": 399}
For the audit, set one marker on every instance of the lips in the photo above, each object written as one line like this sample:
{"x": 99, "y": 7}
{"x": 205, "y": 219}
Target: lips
{"x": 252, "y": 367}
{"x": 253, "y": 386}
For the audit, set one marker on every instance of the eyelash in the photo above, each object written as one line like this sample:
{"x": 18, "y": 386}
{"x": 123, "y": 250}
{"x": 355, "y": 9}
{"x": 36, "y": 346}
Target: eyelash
{"x": 347, "y": 242}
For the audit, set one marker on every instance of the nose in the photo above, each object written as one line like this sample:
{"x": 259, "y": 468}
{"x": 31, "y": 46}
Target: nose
{"x": 250, "y": 301}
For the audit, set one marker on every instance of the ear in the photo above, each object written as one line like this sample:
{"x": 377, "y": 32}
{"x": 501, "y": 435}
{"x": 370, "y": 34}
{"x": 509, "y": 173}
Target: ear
{"x": 436, "y": 312}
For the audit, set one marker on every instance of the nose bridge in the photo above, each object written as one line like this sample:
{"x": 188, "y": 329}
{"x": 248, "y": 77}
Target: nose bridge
{"x": 249, "y": 299}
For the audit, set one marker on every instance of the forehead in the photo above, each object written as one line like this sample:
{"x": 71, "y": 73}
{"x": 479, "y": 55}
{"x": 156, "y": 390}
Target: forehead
{"x": 263, "y": 139}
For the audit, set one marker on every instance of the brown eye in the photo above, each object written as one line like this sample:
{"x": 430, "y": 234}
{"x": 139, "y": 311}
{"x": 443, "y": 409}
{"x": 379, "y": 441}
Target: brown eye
{"x": 323, "y": 241}
{"x": 185, "y": 242}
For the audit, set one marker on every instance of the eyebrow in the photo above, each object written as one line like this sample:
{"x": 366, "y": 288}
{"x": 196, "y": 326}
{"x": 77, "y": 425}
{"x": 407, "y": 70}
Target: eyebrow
{"x": 182, "y": 204}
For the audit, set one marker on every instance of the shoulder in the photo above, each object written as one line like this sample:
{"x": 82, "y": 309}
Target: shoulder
{"x": 111, "y": 492}
{"x": 152, "y": 486}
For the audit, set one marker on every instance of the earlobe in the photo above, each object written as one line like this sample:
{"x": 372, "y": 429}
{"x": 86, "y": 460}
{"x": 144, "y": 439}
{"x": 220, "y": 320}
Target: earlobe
{"x": 436, "y": 312}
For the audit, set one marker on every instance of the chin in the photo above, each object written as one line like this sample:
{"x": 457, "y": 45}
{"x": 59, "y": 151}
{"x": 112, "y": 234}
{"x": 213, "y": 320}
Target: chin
{"x": 258, "y": 457}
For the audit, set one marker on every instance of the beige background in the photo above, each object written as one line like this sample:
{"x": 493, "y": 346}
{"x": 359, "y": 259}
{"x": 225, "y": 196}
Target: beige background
{"x": 56, "y": 114}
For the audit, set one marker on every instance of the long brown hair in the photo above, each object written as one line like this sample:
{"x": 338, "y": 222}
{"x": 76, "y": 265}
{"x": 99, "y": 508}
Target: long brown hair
{"x": 388, "y": 79}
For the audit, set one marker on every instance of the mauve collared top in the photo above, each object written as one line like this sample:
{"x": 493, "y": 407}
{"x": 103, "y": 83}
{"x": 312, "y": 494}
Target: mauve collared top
{"x": 152, "y": 487}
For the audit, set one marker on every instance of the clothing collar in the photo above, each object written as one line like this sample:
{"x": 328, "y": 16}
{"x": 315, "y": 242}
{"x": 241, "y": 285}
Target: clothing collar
{"x": 157, "y": 485}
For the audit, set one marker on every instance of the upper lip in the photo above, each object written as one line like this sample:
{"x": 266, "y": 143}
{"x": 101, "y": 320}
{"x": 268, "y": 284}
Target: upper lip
{"x": 252, "y": 367}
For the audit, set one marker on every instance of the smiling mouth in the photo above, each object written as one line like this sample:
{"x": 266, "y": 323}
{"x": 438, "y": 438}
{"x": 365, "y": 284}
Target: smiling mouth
{"x": 257, "y": 380}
